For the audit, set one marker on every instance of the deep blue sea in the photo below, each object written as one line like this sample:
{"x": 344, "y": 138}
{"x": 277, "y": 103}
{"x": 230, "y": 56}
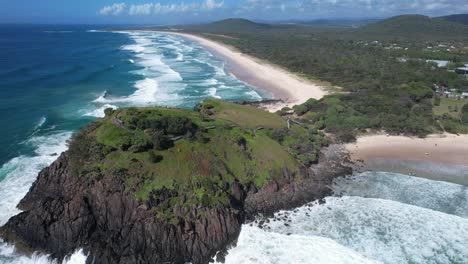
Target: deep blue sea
{"x": 55, "y": 79}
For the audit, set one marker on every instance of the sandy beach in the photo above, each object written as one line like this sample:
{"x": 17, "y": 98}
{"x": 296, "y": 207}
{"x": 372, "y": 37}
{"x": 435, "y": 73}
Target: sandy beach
{"x": 431, "y": 157}
{"x": 290, "y": 88}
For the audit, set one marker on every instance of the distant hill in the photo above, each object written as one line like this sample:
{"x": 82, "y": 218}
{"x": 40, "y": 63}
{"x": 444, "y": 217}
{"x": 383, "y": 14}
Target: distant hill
{"x": 231, "y": 24}
{"x": 417, "y": 26}
{"x": 460, "y": 18}
{"x": 347, "y": 23}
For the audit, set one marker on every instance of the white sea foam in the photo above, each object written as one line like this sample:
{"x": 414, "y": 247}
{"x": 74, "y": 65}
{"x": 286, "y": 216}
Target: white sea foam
{"x": 134, "y": 48}
{"x": 384, "y": 230}
{"x": 99, "y": 112}
{"x": 8, "y": 254}
{"x": 253, "y": 94}
{"x": 256, "y": 246}
{"x": 436, "y": 195}
{"x": 211, "y": 92}
{"x": 19, "y": 173}
{"x": 40, "y": 123}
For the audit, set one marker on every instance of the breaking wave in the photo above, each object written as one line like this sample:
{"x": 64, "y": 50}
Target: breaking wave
{"x": 17, "y": 176}
{"x": 398, "y": 219}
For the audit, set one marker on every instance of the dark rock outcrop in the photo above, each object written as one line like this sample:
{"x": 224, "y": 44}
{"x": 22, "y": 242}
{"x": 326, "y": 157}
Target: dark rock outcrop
{"x": 63, "y": 213}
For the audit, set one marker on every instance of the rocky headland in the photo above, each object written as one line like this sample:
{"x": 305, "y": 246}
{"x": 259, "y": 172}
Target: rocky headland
{"x": 156, "y": 185}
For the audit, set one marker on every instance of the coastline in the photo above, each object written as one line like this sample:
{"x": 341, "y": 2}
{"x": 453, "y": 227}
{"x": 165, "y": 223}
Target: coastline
{"x": 431, "y": 157}
{"x": 283, "y": 85}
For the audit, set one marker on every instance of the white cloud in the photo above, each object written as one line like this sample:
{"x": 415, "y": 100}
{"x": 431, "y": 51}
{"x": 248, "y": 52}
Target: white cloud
{"x": 115, "y": 9}
{"x": 158, "y": 8}
{"x": 212, "y": 4}
{"x": 144, "y": 9}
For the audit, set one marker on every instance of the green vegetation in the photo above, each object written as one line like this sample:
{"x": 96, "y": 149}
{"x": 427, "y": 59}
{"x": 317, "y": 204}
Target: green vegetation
{"x": 192, "y": 157}
{"x": 416, "y": 25}
{"x": 380, "y": 90}
{"x": 459, "y": 18}
{"x": 449, "y": 106}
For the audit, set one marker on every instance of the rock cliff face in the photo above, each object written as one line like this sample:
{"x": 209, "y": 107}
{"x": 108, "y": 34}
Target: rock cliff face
{"x": 63, "y": 213}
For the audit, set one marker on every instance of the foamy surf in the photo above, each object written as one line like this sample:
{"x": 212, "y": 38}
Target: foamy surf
{"x": 99, "y": 112}
{"x": 256, "y": 246}
{"x": 40, "y": 123}
{"x": 17, "y": 176}
{"x": 377, "y": 228}
{"x": 435, "y": 195}
{"x": 175, "y": 72}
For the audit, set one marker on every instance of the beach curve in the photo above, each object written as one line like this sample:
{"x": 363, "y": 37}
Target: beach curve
{"x": 284, "y": 85}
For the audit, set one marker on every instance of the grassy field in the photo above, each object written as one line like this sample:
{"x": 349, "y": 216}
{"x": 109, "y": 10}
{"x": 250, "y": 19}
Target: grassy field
{"x": 448, "y": 106}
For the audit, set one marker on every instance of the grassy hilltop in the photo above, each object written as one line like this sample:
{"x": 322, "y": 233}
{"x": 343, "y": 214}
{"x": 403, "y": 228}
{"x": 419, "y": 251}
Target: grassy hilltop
{"x": 192, "y": 154}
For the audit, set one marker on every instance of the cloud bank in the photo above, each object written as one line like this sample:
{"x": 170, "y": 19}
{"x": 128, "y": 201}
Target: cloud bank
{"x": 290, "y": 9}
{"x": 159, "y": 8}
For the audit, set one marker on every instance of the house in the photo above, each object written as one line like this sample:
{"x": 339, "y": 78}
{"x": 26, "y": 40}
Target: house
{"x": 440, "y": 63}
{"x": 462, "y": 70}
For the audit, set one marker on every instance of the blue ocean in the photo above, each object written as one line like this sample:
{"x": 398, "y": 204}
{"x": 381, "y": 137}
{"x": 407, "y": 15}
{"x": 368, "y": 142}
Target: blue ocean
{"x": 56, "y": 79}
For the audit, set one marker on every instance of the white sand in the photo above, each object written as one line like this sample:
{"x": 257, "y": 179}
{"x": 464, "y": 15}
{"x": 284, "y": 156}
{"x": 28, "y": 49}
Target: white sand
{"x": 284, "y": 85}
{"x": 444, "y": 148}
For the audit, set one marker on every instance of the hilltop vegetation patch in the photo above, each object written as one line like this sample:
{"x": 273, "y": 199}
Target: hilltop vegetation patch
{"x": 191, "y": 158}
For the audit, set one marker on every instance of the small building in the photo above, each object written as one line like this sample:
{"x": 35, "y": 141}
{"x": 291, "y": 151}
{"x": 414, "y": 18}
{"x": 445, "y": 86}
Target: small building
{"x": 440, "y": 63}
{"x": 462, "y": 70}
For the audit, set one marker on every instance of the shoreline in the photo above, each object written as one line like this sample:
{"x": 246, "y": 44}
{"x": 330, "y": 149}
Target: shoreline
{"x": 283, "y": 85}
{"x": 438, "y": 157}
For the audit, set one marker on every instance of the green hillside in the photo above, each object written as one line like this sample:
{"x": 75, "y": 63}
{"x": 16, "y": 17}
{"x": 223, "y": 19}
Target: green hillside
{"x": 193, "y": 153}
{"x": 415, "y": 26}
{"x": 459, "y": 18}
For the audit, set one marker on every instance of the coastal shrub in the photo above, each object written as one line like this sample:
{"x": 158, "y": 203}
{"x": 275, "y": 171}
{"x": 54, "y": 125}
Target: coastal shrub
{"x": 154, "y": 158}
{"x": 284, "y": 111}
{"x": 140, "y": 143}
{"x": 177, "y": 125}
{"x": 83, "y": 147}
{"x": 279, "y": 134}
{"x": 300, "y": 109}
{"x": 464, "y": 114}
{"x": 109, "y": 111}
{"x": 158, "y": 140}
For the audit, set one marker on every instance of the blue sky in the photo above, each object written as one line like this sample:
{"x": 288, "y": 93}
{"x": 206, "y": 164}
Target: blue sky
{"x": 189, "y": 11}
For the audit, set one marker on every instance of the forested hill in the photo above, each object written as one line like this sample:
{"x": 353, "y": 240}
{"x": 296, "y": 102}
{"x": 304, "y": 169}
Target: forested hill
{"x": 231, "y": 25}
{"x": 460, "y": 18}
{"x": 416, "y": 26}
{"x": 237, "y": 24}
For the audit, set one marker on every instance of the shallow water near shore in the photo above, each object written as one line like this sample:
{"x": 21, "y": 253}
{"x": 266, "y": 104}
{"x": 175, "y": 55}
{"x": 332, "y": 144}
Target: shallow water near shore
{"x": 57, "y": 85}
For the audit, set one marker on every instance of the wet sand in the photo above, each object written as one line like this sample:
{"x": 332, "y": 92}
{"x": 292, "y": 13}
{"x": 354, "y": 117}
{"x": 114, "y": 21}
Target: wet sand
{"x": 439, "y": 157}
